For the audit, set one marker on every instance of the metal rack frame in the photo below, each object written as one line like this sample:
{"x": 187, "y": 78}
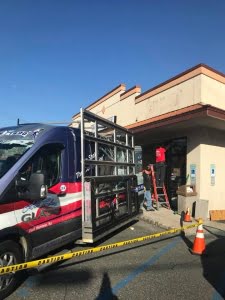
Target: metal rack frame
{"x": 96, "y": 224}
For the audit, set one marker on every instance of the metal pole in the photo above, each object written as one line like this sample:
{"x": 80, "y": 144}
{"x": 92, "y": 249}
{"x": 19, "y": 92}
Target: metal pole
{"x": 82, "y": 163}
{"x": 115, "y": 152}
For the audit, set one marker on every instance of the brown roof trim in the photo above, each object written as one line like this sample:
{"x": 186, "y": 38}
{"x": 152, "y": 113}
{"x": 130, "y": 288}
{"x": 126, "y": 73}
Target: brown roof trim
{"x": 170, "y": 121}
{"x": 162, "y": 120}
{"x": 131, "y": 91}
{"x": 184, "y": 114}
{"x": 216, "y": 112}
{"x": 76, "y": 116}
{"x": 119, "y": 88}
{"x": 213, "y": 70}
{"x": 188, "y": 74}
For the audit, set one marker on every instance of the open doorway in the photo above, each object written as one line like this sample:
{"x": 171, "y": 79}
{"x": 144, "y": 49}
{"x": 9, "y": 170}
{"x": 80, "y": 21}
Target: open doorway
{"x": 176, "y": 156}
{"x": 176, "y": 168}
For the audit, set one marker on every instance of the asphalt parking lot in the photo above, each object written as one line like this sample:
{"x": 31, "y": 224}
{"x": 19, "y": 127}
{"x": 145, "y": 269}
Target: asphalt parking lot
{"x": 155, "y": 269}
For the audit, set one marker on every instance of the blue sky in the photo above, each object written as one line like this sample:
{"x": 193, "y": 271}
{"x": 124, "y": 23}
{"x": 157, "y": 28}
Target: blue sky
{"x": 59, "y": 55}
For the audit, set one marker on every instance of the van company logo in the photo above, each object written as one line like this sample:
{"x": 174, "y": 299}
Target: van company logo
{"x": 63, "y": 188}
{"x": 37, "y": 131}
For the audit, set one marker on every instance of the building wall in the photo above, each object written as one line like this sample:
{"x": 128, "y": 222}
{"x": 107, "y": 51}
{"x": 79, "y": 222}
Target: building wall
{"x": 213, "y": 152}
{"x": 131, "y": 110}
{"x": 214, "y": 193}
{"x": 198, "y": 85}
{"x": 213, "y": 92}
{"x": 184, "y": 94}
{"x": 123, "y": 109}
{"x": 136, "y": 107}
{"x": 206, "y": 147}
{"x": 104, "y": 109}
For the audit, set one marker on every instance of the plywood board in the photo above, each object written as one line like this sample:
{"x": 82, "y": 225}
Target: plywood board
{"x": 217, "y": 215}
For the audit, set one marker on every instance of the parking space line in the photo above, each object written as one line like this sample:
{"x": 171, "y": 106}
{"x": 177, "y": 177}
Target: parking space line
{"x": 144, "y": 266}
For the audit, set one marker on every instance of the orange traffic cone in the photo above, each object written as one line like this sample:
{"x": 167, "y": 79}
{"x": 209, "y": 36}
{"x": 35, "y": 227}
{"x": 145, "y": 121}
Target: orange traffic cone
{"x": 187, "y": 216}
{"x": 199, "y": 242}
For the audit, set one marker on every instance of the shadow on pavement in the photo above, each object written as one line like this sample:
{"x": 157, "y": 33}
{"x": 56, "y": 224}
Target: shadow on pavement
{"x": 105, "y": 292}
{"x": 112, "y": 234}
{"x": 219, "y": 233}
{"x": 65, "y": 277}
{"x": 213, "y": 259}
{"x": 61, "y": 265}
{"x": 213, "y": 263}
{"x": 45, "y": 279}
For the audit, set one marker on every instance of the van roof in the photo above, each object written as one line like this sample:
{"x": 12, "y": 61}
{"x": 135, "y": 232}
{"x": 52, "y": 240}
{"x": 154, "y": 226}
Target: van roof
{"x": 24, "y": 131}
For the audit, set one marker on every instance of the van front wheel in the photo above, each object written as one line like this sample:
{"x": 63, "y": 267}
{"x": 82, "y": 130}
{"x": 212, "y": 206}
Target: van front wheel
{"x": 10, "y": 254}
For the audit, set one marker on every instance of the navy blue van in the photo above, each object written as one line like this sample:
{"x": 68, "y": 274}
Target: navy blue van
{"x": 41, "y": 193}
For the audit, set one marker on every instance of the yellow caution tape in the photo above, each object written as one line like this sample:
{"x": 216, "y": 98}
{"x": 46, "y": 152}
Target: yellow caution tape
{"x": 54, "y": 259}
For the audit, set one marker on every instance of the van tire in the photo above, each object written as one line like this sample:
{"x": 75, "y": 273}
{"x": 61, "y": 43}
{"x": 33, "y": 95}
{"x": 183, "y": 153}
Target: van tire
{"x": 10, "y": 254}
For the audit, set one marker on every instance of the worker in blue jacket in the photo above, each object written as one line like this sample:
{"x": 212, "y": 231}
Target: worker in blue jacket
{"x": 147, "y": 188}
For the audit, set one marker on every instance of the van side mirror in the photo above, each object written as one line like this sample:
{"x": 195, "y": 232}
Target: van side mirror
{"x": 32, "y": 189}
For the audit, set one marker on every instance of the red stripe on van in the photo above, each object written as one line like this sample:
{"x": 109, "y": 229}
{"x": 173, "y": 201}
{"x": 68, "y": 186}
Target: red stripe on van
{"x": 4, "y": 208}
{"x": 66, "y": 187}
{"x": 51, "y": 215}
{"x": 71, "y": 187}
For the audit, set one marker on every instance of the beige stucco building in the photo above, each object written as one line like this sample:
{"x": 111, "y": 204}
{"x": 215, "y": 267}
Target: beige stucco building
{"x": 187, "y": 112}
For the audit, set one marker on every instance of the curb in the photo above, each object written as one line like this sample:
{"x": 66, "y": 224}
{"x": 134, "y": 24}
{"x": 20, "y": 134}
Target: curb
{"x": 159, "y": 224}
{"x": 155, "y": 223}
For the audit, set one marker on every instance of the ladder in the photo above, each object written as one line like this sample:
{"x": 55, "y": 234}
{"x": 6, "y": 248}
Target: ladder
{"x": 159, "y": 194}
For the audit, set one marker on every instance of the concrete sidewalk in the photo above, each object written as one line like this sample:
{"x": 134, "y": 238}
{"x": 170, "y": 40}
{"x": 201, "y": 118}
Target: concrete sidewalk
{"x": 168, "y": 219}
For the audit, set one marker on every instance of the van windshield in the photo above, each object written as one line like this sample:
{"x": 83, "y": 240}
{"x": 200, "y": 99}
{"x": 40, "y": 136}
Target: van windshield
{"x": 10, "y": 152}
{"x": 14, "y": 142}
